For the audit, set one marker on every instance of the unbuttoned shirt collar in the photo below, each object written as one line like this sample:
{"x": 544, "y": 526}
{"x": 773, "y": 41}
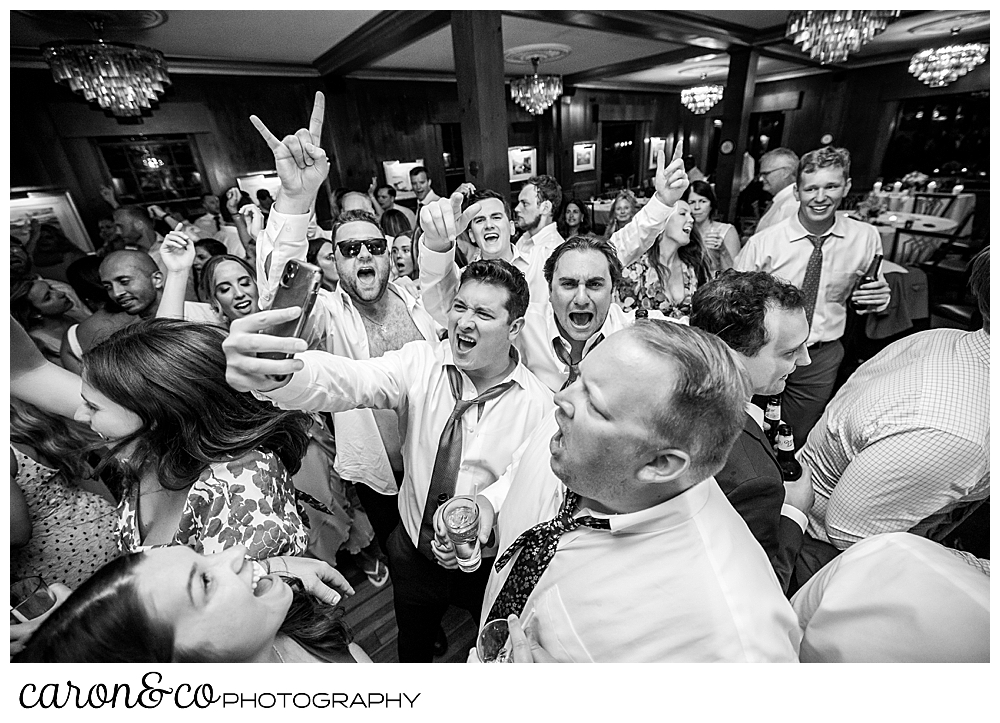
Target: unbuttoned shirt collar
{"x": 548, "y": 235}
{"x": 517, "y": 374}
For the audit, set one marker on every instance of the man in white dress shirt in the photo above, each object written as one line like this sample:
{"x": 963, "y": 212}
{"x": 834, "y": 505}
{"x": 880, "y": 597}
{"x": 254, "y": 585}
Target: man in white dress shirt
{"x": 777, "y": 176}
{"x": 383, "y": 198}
{"x": 675, "y": 575}
{"x": 422, "y": 383}
{"x": 421, "y": 185}
{"x": 824, "y": 255}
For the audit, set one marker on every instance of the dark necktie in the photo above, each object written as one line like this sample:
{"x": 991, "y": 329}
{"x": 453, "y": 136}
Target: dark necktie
{"x": 810, "y": 284}
{"x": 449, "y": 454}
{"x": 537, "y": 546}
{"x": 566, "y": 358}
{"x": 218, "y": 222}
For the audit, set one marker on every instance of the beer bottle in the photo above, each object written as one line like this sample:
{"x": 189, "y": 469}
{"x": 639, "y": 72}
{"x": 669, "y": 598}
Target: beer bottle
{"x": 772, "y": 417}
{"x": 870, "y": 275}
{"x": 790, "y": 468}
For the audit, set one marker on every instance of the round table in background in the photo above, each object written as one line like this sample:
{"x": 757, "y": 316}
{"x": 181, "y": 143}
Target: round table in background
{"x": 912, "y": 248}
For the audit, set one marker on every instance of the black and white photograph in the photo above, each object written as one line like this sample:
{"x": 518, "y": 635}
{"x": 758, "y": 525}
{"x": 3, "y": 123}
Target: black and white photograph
{"x": 460, "y": 336}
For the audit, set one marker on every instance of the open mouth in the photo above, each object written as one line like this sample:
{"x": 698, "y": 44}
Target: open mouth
{"x": 820, "y": 209}
{"x": 125, "y": 301}
{"x": 464, "y": 343}
{"x": 243, "y": 306}
{"x": 366, "y": 274}
{"x": 581, "y": 319}
{"x": 264, "y": 585}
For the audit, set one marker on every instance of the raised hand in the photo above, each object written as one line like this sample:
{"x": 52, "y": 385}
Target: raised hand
{"x": 254, "y": 219}
{"x": 177, "y": 252}
{"x": 301, "y": 164}
{"x": 245, "y": 371}
{"x": 443, "y": 220}
{"x": 672, "y": 181}
{"x": 233, "y": 200}
{"x": 108, "y": 194}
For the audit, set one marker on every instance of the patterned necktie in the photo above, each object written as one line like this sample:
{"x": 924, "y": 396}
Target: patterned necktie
{"x": 810, "y": 284}
{"x": 537, "y": 545}
{"x": 449, "y": 454}
{"x": 565, "y": 357}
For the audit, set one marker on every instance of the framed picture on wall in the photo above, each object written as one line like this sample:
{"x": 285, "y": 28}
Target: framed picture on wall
{"x": 253, "y": 182}
{"x": 656, "y": 144}
{"x": 584, "y": 156}
{"x": 397, "y": 175}
{"x": 522, "y": 162}
{"x": 56, "y": 222}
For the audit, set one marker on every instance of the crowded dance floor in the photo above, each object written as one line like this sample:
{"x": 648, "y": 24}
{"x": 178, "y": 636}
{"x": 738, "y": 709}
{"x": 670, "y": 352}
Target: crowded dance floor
{"x": 499, "y": 336}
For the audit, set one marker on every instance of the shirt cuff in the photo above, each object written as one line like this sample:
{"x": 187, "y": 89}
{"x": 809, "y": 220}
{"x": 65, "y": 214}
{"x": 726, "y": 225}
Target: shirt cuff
{"x": 436, "y": 263}
{"x": 658, "y": 211}
{"x": 296, "y": 387}
{"x": 796, "y": 515}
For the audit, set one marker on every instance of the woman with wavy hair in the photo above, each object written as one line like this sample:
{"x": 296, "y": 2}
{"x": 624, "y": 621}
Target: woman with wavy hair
{"x": 623, "y": 210}
{"x": 175, "y": 605}
{"x": 70, "y": 516}
{"x": 573, "y": 220}
{"x": 208, "y": 467}
{"x": 666, "y": 277}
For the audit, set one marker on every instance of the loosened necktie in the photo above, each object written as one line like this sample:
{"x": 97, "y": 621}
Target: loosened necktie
{"x": 537, "y": 546}
{"x": 449, "y": 454}
{"x": 566, "y": 358}
{"x": 810, "y": 284}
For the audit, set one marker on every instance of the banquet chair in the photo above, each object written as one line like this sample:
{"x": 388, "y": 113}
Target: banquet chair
{"x": 911, "y": 246}
{"x": 948, "y": 271}
{"x": 933, "y": 204}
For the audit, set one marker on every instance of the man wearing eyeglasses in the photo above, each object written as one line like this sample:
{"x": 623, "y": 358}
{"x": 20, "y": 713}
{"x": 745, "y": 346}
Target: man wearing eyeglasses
{"x": 367, "y": 316}
{"x": 777, "y": 176}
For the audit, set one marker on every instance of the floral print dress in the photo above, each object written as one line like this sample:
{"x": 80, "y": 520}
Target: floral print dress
{"x": 641, "y": 289}
{"x": 248, "y": 501}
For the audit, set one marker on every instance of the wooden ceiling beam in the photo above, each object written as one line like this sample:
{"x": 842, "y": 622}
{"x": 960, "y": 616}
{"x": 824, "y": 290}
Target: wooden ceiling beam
{"x": 383, "y": 35}
{"x": 633, "y": 66}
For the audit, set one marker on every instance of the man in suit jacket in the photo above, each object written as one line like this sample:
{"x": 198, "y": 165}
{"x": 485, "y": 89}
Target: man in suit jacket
{"x": 763, "y": 321}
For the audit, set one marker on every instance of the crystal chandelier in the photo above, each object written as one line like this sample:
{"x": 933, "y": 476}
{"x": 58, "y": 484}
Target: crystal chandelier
{"x": 536, "y": 92}
{"x": 120, "y": 77}
{"x": 830, "y": 35}
{"x": 937, "y": 67}
{"x": 701, "y": 98}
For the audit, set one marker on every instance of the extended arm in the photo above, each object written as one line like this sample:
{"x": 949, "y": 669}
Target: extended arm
{"x": 40, "y": 382}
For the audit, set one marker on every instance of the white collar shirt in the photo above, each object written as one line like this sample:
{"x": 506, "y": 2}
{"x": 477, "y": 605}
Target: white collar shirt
{"x": 413, "y": 382}
{"x": 683, "y": 581}
{"x": 336, "y": 326}
{"x": 431, "y": 197}
{"x": 783, "y": 205}
{"x": 784, "y": 250}
{"x": 905, "y": 443}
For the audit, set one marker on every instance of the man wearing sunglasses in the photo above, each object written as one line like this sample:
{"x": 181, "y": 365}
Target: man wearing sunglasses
{"x": 367, "y": 316}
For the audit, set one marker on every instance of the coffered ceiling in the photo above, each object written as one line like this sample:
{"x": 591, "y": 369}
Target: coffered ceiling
{"x": 627, "y": 49}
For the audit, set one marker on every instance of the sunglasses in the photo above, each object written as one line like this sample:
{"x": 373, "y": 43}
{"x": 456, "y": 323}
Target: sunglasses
{"x": 375, "y": 246}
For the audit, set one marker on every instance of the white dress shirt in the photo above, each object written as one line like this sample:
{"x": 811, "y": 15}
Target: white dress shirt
{"x": 439, "y": 274}
{"x": 336, "y": 326}
{"x": 783, "y": 205}
{"x": 905, "y": 441}
{"x": 683, "y": 581}
{"x": 896, "y": 598}
{"x": 413, "y": 382}
{"x": 784, "y": 250}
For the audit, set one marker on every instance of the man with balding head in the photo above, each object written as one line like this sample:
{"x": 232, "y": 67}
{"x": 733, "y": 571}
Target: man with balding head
{"x": 356, "y": 201}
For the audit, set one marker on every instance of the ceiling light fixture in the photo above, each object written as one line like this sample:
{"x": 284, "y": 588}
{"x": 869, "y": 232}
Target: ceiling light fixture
{"x": 701, "y": 98}
{"x": 536, "y": 92}
{"x": 938, "y": 67}
{"x": 120, "y": 77}
{"x": 830, "y": 35}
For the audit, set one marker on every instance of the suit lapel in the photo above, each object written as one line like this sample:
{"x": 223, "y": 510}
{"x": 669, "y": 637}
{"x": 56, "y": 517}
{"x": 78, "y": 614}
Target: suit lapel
{"x": 753, "y": 429}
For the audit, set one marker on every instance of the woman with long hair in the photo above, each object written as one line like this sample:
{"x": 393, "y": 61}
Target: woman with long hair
{"x": 175, "y": 605}
{"x": 623, "y": 210}
{"x": 666, "y": 277}
{"x": 722, "y": 242}
{"x": 573, "y": 220}
{"x": 208, "y": 467}
{"x": 71, "y": 515}
{"x": 229, "y": 285}
{"x": 41, "y": 309}
{"x": 321, "y": 253}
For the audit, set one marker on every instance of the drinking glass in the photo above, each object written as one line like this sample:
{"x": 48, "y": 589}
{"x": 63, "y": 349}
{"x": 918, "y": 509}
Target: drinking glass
{"x": 493, "y": 644}
{"x": 461, "y": 520}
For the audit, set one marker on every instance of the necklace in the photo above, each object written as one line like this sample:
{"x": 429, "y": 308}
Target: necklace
{"x": 380, "y": 324}
{"x": 277, "y": 652}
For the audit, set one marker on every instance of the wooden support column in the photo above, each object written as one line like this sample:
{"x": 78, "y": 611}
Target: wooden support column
{"x": 736, "y": 106}
{"x": 477, "y": 39}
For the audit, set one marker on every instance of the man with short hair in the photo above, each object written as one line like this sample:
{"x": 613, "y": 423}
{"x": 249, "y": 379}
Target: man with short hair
{"x": 423, "y": 382}
{"x": 905, "y": 443}
{"x": 777, "y": 176}
{"x": 538, "y": 204}
{"x": 763, "y": 321}
{"x": 824, "y": 255}
{"x": 420, "y": 182}
{"x": 211, "y": 221}
{"x": 616, "y": 543}
{"x": 135, "y": 227}
{"x": 383, "y": 198}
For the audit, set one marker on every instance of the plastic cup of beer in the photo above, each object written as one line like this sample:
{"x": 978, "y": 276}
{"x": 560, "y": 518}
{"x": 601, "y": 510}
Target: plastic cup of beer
{"x": 29, "y": 598}
{"x": 493, "y": 644}
{"x": 461, "y": 520}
